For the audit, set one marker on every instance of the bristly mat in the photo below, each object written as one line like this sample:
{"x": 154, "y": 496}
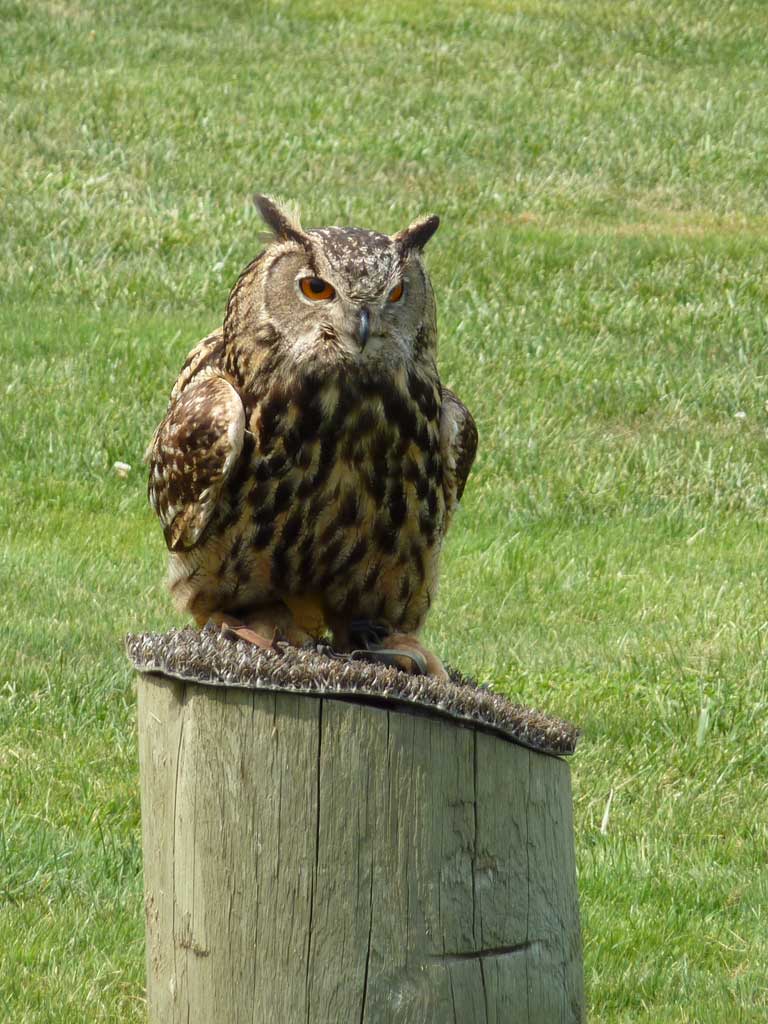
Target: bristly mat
{"x": 210, "y": 658}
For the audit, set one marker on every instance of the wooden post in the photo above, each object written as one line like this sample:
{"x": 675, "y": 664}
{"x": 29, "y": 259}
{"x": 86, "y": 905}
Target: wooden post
{"x": 324, "y": 861}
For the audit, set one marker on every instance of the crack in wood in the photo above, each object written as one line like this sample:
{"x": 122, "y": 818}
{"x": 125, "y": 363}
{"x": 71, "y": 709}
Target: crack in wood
{"x": 314, "y": 879}
{"x": 485, "y": 988}
{"x": 475, "y": 850}
{"x": 174, "y": 898}
{"x": 528, "y": 885}
{"x": 368, "y": 951}
{"x": 483, "y": 954}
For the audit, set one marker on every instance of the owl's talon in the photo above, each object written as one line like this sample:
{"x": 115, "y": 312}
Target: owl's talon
{"x": 406, "y": 653}
{"x": 367, "y": 634}
{"x": 391, "y": 656}
{"x": 411, "y": 646}
{"x": 374, "y": 641}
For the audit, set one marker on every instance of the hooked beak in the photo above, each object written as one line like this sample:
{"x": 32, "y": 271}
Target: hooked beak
{"x": 363, "y": 326}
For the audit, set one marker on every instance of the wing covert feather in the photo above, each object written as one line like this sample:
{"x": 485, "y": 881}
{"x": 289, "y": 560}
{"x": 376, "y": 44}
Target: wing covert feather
{"x": 192, "y": 454}
{"x": 458, "y": 446}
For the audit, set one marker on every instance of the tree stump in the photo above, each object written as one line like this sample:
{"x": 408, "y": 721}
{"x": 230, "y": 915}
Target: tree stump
{"x": 322, "y": 860}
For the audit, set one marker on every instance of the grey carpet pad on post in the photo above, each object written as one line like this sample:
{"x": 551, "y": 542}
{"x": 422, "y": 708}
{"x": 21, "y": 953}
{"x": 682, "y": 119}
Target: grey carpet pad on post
{"x": 210, "y": 658}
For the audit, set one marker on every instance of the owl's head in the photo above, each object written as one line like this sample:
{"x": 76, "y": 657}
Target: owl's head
{"x": 336, "y": 294}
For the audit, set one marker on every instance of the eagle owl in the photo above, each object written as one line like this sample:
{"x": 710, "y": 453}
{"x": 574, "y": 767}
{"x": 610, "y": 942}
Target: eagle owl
{"x": 310, "y": 460}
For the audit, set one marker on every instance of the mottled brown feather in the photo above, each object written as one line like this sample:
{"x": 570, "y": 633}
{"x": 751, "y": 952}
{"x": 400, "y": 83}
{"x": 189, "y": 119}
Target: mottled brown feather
{"x": 193, "y": 453}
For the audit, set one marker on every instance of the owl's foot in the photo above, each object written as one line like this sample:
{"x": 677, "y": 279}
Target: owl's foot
{"x": 400, "y": 650}
{"x": 264, "y": 626}
{"x": 414, "y": 652}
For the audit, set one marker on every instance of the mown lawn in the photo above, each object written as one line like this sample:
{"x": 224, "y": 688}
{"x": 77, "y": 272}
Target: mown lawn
{"x": 600, "y": 168}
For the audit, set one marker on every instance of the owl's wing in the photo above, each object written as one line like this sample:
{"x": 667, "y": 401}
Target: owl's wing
{"x": 458, "y": 445}
{"x": 203, "y": 359}
{"x": 191, "y": 456}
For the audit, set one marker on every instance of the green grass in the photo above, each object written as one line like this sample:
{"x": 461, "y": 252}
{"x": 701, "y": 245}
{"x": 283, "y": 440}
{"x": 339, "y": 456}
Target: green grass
{"x": 601, "y": 277}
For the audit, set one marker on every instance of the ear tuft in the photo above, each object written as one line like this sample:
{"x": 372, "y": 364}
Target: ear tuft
{"x": 417, "y": 234}
{"x": 280, "y": 218}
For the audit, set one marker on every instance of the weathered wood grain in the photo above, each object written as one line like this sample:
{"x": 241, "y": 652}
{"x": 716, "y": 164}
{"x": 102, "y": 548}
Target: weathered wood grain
{"x": 319, "y": 861}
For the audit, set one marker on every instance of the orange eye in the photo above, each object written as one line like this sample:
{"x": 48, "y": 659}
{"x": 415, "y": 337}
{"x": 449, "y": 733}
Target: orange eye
{"x": 397, "y": 293}
{"x": 316, "y": 288}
